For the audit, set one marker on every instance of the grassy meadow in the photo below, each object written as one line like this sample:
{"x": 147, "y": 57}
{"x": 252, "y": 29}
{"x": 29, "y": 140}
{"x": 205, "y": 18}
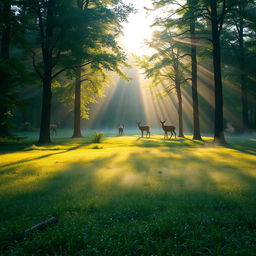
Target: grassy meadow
{"x": 129, "y": 196}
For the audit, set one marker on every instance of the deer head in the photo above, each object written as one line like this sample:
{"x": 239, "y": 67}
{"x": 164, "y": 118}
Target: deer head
{"x": 162, "y": 122}
{"x": 138, "y": 122}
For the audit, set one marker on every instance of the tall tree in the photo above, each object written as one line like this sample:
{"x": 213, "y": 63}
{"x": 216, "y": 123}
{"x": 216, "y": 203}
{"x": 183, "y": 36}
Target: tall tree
{"x": 100, "y": 45}
{"x": 6, "y": 15}
{"x": 183, "y": 20}
{"x": 192, "y": 29}
{"x": 216, "y": 11}
{"x": 166, "y": 68}
{"x": 57, "y": 22}
{"x": 238, "y": 27}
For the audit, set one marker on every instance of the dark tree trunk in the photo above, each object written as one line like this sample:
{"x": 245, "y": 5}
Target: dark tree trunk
{"x": 77, "y": 106}
{"x": 46, "y": 111}
{"x": 47, "y": 76}
{"x": 243, "y": 85}
{"x": 196, "y": 128}
{"x": 218, "y": 122}
{"x": 179, "y": 96}
{"x": 210, "y": 85}
{"x": 254, "y": 114}
{"x": 5, "y": 76}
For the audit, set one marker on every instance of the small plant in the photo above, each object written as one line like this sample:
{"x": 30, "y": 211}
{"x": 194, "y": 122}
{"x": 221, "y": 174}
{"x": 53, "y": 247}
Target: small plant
{"x": 97, "y": 137}
{"x": 97, "y": 147}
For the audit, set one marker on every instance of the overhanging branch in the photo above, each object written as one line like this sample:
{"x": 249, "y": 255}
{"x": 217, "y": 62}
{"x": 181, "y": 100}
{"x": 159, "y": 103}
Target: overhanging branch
{"x": 66, "y": 68}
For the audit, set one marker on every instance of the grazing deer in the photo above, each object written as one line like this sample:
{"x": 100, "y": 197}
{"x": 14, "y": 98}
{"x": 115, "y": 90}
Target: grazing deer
{"x": 53, "y": 128}
{"x": 168, "y": 128}
{"x": 121, "y": 129}
{"x": 143, "y": 128}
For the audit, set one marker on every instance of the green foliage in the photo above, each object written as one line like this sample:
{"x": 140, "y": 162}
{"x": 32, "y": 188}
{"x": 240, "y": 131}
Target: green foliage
{"x": 92, "y": 85}
{"x": 97, "y": 137}
{"x": 165, "y": 67}
{"x": 26, "y": 127}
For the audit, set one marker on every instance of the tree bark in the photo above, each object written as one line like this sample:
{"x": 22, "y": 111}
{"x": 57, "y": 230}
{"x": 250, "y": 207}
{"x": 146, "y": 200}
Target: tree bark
{"x": 179, "y": 96}
{"x": 244, "y": 96}
{"x": 5, "y": 76}
{"x": 47, "y": 76}
{"x": 218, "y": 122}
{"x": 77, "y": 106}
{"x": 196, "y": 128}
{"x": 46, "y": 111}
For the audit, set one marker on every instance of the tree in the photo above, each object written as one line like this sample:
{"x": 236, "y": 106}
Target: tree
{"x": 183, "y": 20}
{"x": 215, "y": 12}
{"x": 93, "y": 82}
{"x": 192, "y": 29}
{"x": 57, "y": 22}
{"x": 5, "y": 54}
{"x": 12, "y": 56}
{"x": 100, "y": 45}
{"x": 166, "y": 68}
{"x": 238, "y": 29}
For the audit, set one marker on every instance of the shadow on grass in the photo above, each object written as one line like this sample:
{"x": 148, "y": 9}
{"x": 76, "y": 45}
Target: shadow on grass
{"x": 45, "y": 156}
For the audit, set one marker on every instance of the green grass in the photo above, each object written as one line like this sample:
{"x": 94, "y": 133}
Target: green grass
{"x": 129, "y": 196}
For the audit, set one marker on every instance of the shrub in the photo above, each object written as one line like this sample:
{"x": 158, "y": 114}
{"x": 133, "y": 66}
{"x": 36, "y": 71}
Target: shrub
{"x": 97, "y": 137}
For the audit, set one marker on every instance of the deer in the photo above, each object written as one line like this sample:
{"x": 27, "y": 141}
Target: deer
{"x": 53, "y": 128}
{"x": 168, "y": 128}
{"x": 121, "y": 129}
{"x": 143, "y": 128}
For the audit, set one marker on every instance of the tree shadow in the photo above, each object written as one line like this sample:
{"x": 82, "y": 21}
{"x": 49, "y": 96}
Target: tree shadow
{"x": 62, "y": 151}
{"x": 151, "y": 197}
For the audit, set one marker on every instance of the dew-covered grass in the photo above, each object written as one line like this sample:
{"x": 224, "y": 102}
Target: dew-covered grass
{"x": 129, "y": 196}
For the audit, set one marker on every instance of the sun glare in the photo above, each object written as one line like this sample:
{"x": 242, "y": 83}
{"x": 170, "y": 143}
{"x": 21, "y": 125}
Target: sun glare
{"x": 137, "y": 30}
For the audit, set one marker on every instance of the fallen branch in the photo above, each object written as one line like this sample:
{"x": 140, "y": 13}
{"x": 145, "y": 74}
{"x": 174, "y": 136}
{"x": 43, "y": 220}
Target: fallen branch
{"x": 42, "y": 225}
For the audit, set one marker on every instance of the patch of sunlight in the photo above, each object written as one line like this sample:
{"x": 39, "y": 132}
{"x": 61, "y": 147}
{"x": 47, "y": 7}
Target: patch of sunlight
{"x": 148, "y": 163}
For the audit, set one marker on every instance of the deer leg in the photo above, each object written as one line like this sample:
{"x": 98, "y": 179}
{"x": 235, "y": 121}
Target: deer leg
{"x": 175, "y": 134}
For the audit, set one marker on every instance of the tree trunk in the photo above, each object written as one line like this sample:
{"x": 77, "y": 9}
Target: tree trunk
{"x": 179, "y": 96}
{"x": 5, "y": 76}
{"x": 243, "y": 85}
{"x": 196, "y": 128}
{"x": 77, "y": 106}
{"x": 47, "y": 76}
{"x": 210, "y": 85}
{"x": 46, "y": 111}
{"x": 254, "y": 114}
{"x": 218, "y": 122}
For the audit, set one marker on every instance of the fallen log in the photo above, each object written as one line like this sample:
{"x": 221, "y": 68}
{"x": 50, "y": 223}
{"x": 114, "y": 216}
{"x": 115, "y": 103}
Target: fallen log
{"x": 42, "y": 225}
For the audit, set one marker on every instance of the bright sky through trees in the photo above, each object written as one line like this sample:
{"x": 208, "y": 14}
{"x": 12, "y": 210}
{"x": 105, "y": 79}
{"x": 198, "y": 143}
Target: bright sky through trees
{"x": 138, "y": 28}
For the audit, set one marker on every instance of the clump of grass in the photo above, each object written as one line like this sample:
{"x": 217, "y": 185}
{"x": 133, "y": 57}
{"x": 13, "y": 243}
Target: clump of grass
{"x": 97, "y": 147}
{"x": 97, "y": 137}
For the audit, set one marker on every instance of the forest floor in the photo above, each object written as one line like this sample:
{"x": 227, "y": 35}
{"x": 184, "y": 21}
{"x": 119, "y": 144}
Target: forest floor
{"x": 129, "y": 196}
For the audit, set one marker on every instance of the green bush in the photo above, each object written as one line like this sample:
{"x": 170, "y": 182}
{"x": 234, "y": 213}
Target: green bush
{"x": 97, "y": 137}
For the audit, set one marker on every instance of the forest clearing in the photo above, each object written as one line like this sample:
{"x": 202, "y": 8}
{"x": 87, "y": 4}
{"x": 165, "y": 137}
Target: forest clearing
{"x": 127, "y": 128}
{"x": 129, "y": 196}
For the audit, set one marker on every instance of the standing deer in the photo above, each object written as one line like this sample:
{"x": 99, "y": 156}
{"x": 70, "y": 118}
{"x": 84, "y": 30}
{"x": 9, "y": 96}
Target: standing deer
{"x": 53, "y": 128}
{"x": 143, "y": 128}
{"x": 168, "y": 128}
{"x": 121, "y": 129}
